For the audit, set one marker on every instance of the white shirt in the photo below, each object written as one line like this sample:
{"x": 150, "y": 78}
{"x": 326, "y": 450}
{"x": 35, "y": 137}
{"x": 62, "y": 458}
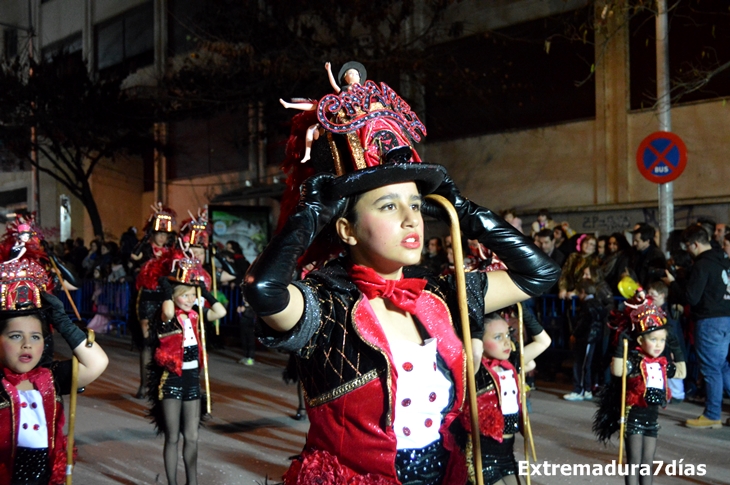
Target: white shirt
{"x": 33, "y": 431}
{"x": 422, "y": 392}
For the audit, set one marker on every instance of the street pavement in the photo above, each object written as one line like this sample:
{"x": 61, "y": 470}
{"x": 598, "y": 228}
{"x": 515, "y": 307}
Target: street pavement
{"x": 251, "y": 434}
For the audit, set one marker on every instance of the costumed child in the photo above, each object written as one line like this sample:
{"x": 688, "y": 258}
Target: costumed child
{"x": 32, "y": 443}
{"x": 647, "y": 372}
{"x": 379, "y": 359}
{"x": 150, "y": 253}
{"x": 174, "y": 381}
{"x": 498, "y": 395}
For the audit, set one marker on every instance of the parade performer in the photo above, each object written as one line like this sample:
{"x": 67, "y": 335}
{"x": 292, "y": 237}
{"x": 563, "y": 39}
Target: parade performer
{"x": 149, "y": 254}
{"x": 647, "y": 372}
{"x": 23, "y": 239}
{"x": 32, "y": 443}
{"x": 174, "y": 382}
{"x": 367, "y": 332}
{"x": 498, "y": 396}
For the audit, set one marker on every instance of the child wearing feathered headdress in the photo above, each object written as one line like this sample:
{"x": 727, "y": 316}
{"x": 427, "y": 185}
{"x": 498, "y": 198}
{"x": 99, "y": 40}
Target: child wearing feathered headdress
{"x": 644, "y": 325}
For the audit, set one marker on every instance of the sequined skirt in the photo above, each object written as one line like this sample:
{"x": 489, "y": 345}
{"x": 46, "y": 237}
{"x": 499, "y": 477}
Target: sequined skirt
{"x": 498, "y": 459}
{"x": 422, "y": 466}
{"x": 643, "y": 421}
{"x": 31, "y": 466}
{"x": 185, "y": 387}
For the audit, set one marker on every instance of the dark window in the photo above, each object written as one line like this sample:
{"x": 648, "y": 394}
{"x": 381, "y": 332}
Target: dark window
{"x": 183, "y": 17}
{"x": 519, "y": 77}
{"x": 13, "y": 197}
{"x": 127, "y": 41}
{"x": 10, "y": 41}
{"x": 699, "y": 43}
{"x": 205, "y": 146}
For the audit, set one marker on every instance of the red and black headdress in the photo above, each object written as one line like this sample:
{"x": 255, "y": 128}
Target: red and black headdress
{"x": 196, "y": 230}
{"x": 162, "y": 219}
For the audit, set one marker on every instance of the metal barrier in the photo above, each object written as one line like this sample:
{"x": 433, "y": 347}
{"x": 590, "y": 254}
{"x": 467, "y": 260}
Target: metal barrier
{"x": 112, "y": 300}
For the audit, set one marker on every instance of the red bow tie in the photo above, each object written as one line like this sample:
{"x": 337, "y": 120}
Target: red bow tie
{"x": 658, "y": 360}
{"x": 16, "y": 379}
{"x": 492, "y": 363}
{"x": 403, "y": 293}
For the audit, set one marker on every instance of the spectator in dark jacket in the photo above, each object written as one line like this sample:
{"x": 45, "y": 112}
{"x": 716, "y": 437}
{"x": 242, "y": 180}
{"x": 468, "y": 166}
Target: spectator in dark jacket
{"x": 586, "y": 334}
{"x": 708, "y": 293}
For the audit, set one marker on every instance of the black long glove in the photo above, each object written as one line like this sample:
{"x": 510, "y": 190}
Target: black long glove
{"x": 63, "y": 325}
{"x": 533, "y": 271}
{"x": 266, "y": 282}
{"x": 212, "y": 300}
{"x": 163, "y": 283}
{"x": 226, "y": 265}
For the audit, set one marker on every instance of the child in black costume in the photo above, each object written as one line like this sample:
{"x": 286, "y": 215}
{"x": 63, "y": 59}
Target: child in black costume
{"x": 498, "y": 396}
{"x": 647, "y": 372}
{"x": 32, "y": 442}
{"x": 174, "y": 382}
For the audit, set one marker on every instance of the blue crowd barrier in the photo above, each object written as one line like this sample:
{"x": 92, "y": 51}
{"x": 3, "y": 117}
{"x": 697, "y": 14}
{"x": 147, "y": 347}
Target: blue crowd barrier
{"x": 113, "y": 300}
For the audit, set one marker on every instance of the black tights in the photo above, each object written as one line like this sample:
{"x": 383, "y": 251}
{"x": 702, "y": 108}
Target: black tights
{"x": 640, "y": 449}
{"x": 190, "y": 410}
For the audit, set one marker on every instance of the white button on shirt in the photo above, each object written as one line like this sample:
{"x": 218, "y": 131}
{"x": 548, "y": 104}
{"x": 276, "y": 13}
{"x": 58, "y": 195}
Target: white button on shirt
{"x": 654, "y": 376}
{"x": 33, "y": 431}
{"x": 508, "y": 389}
{"x": 422, "y": 392}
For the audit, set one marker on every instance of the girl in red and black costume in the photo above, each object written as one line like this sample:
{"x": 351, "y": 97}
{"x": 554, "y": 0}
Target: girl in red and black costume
{"x": 152, "y": 255}
{"x": 32, "y": 443}
{"x": 498, "y": 395}
{"x": 367, "y": 328}
{"x": 174, "y": 382}
{"x": 647, "y": 371}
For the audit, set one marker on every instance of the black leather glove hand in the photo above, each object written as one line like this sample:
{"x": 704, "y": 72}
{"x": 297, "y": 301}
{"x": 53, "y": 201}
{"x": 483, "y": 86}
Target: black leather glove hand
{"x": 163, "y": 283}
{"x": 671, "y": 370}
{"x": 618, "y": 352}
{"x": 532, "y": 326}
{"x": 225, "y": 265}
{"x": 72, "y": 334}
{"x": 533, "y": 271}
{"x": 207, "y": 295}
{"x": 266, "y": 282}
{"x": 66, "y": 273}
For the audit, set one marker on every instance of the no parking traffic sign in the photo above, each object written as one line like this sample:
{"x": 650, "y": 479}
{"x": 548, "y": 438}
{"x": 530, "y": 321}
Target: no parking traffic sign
{"x": 661, "y": 157}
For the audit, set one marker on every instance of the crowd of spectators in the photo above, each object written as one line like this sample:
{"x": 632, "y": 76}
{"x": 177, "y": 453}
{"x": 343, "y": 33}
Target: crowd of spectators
{"x": 593, "y": 267}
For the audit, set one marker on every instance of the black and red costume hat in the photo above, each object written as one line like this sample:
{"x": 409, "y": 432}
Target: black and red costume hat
{"x": 370, "y": 133}
{"x": 162, "y": 219}
{"x": 21, "y": 283}
{"x": 196, "y": 230}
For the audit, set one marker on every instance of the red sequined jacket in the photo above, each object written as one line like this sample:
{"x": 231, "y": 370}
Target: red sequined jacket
{"x": 44, "y": 381}
{"x": 489, "y": 399}
{"x": 636, "y": 380}
{"x": 346, "y": 368}
{"x": 169, "y": 354}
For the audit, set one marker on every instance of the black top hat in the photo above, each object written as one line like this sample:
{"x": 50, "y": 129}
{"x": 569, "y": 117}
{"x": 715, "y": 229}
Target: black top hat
{"x": 352, "y": 65}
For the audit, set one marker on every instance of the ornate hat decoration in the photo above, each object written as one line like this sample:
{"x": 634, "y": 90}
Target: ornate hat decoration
{"x": 21, "y": 284}
{"x": 195, "y": 231}
{"x": 22, "y": 239}
{"x": 162, "y": 219}
{"x": 647, "y": 317}
{"x": 187, "y": 270}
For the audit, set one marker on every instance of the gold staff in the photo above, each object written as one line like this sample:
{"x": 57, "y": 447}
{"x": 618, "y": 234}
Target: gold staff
{"x": 217, "y": 323}
{"x": 527, "y": 430}
{"x": 623, "y": 404}
{"x": 201, "y": 326}
{"x": 466, "y": 331}
{"x": 74, "y": 383}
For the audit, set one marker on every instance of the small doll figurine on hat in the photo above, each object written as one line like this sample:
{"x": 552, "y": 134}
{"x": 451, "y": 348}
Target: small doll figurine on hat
{"x": 31, "y": 381}
{"x": 645, "y": 326}
{"x": 174, "y": 380}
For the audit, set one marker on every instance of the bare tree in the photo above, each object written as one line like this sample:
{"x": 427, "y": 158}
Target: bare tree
{"x": 78, "y": 120}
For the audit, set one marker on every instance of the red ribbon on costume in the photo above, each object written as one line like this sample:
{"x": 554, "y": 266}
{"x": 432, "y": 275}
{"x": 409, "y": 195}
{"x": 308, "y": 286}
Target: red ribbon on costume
{"x": 492, "y": 363}
{"x": 651, "y": 360}
{"x": 16, "y": 379}
{"x": 403, "y": 292}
